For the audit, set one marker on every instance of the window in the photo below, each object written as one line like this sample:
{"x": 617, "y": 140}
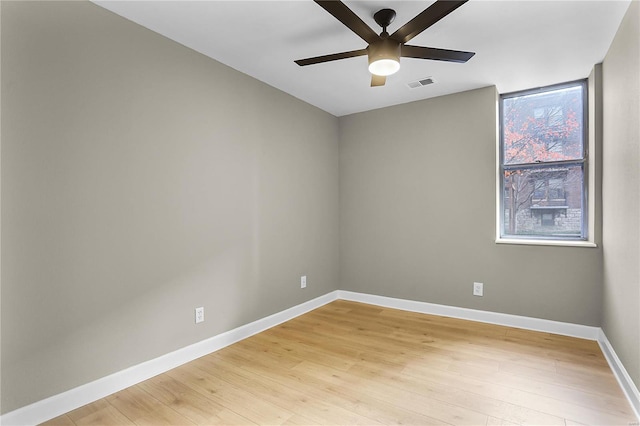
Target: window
{"x": 550, "y": 189}
{"x": 549, "y": 115}
{"x": 547, "y": 219}
{"x": 543, "y": 163}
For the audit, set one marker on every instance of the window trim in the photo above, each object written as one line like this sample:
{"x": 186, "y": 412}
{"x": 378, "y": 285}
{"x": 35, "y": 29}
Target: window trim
{"x": 588, "y": 165}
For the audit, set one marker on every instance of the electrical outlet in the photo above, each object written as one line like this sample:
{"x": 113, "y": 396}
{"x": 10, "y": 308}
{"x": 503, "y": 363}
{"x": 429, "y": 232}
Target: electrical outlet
{"x": 478, "y": 289}
{"x": 199, "y": 315}
{"x": 303, "y": 281}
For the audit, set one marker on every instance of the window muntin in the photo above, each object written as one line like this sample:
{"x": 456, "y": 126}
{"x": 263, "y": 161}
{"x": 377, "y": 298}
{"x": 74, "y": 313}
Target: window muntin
{"x": 543, "y": 159}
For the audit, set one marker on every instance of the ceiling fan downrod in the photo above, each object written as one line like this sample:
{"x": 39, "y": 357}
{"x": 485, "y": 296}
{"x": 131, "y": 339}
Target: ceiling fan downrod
{"x": 384, "y": 17}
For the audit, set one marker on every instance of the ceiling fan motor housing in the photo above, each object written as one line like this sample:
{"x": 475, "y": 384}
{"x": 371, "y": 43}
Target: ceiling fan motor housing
{"x": 384, "y": 49}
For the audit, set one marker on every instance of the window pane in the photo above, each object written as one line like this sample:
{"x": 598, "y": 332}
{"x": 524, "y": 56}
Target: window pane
{"x": 543, "y": 127}
{"x": 544, "y": 201}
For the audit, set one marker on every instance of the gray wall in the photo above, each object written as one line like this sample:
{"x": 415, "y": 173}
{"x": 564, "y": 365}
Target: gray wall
{"x": 417, "y": 216}
{"x": 139, "y": 181}
{"x": 621, "y": 193}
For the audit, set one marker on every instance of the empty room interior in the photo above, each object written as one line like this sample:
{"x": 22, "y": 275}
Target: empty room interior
{"x": 199, "y": 227}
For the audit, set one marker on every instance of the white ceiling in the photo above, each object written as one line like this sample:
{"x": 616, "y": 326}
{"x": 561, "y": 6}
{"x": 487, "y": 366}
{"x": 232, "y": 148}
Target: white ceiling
{"x": 518, "y": 44}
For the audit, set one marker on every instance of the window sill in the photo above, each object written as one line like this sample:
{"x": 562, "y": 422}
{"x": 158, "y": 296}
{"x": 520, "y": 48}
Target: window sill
{"x": 558, "y": 243}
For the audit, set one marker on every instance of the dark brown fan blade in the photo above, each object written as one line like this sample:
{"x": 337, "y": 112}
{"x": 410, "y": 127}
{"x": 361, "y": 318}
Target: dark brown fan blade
{"x": 435, "y": 54}
{"x": 332, "y": 57}
{"x": 343, "y": 14}
{"x": 378, "y": 80}
{"x": 425, "y": 19}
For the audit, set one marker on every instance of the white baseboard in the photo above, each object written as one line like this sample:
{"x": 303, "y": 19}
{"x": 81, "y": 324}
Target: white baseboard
{"x": 536, "y": 324}
{"x": 627, "y": 385}
{"x": 57, "y": 405}
{"x": 54, "y": 406}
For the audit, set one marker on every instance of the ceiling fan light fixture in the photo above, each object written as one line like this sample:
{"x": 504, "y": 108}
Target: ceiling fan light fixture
{"x": 384, "y": 67}
{"x": 384, "y": 57}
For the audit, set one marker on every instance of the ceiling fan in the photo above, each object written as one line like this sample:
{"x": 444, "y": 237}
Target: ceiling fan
{"x": 384, "y": 50}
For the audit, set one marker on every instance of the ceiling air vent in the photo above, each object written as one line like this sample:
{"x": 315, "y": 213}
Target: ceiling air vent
{"x": 423, "y": 82}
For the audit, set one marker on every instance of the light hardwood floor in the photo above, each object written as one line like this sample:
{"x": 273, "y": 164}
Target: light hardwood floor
{"x": 351, "y": 363}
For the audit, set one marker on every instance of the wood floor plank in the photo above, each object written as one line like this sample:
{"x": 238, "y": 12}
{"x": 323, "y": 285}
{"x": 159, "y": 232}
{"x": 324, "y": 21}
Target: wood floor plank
{"x": 298, "y": 351}
{"x": 494, "y": 421}
{"x": 612, "y": 398}
{"x": 426, "y": 405}
{"x": 494, "y": 389}
{"x": 353, "y": 363}
{"x": 269, "y": 389}
{"x": 459, "y": 395}
{"x": 100, "y": 412}
{"x": 231, "y": 396}
{"x": 343, "y": 395}
{"x": 62, "y": 420}
{"x": 199, "y": 409}
{"x": 144, "y": 409}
